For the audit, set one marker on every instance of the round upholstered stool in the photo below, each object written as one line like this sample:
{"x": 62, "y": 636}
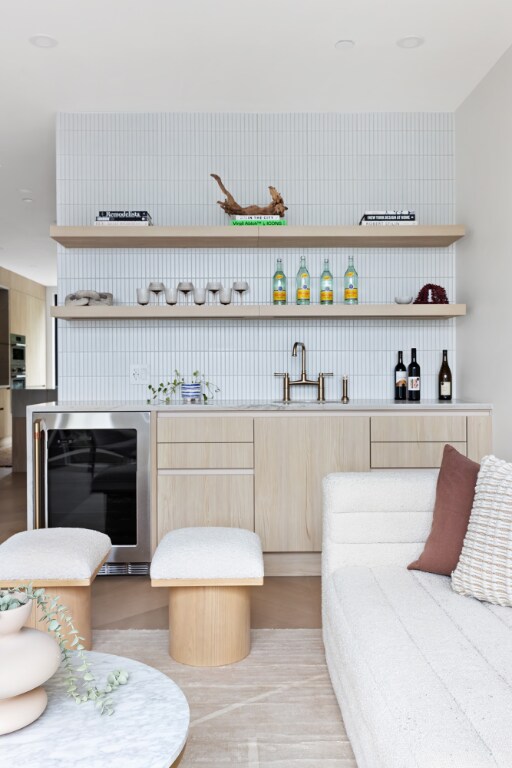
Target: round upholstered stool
{"x": 64, "y": 561}
{"x": 209, "y": 573}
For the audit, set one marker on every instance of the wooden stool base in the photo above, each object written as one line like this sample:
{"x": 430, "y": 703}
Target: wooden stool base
{"x": 209, "y": 626}
{"x": 78, "y": 602}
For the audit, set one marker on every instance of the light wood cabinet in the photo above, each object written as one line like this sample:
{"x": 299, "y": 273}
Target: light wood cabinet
{"x": 264, "y": 472}
{"x": 205, "y": 472}
{"x": 292, "y": 455}
{"x": 205, "y": 456}
{"x": 410, "y": 441}
{"x": 5, "y": 413}
{"x": 410, "y": 455}
{"x": 27, "y": 316}
{"x": 205, "y": 429}
{"x": 201, "y": 499}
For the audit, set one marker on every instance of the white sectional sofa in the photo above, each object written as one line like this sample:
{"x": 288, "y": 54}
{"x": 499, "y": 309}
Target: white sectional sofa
{"x": 423, "y": 675}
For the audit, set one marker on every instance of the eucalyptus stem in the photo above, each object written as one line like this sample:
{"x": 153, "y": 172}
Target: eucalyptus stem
{"x": 81, "y": 687}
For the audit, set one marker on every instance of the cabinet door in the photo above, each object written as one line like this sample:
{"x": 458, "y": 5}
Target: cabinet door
{"x": 188, "y": 500}
{"x": 5, "y": 413}
{"x": 292, "y": 455}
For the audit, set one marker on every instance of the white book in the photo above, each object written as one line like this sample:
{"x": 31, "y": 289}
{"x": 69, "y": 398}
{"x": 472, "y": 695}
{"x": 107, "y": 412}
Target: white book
{"x": 122, "y": 223}
{"x": 388, "y": 213}
{"x": 258, "y": 217}
{"x": 389, "y": 223}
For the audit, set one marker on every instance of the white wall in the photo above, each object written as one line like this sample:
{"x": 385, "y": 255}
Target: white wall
{"x": 329, "y": 168}
{"x": 483, "y": 128}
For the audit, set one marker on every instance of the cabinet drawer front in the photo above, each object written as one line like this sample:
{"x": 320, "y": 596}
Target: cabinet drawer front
{"x": 410, "y": 455}
{"x": 205, "y": 429}
{"x": 404, "y": 428}
{"x": 205, "y": 456}
{"x": 189, "y": 500}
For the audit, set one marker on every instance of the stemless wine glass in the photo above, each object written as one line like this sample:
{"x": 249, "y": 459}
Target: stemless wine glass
{"x": 240, "y": 286}
{"x": 142, "y": 296}
{"x": 199, "y": 295}
{"x": 225, "y": 295}
{"x": 171, "y": 295}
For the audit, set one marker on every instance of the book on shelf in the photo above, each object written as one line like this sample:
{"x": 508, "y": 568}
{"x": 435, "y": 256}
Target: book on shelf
{"x": 115, "y": 215}
{"x": 122, "y": 223}
{"x": 392, "y": 216}
{"x": 390, "y": 213}
{"x": 393, "y": 223}
{"x": 258, "y": 217}
{"x": 259, "y": 223}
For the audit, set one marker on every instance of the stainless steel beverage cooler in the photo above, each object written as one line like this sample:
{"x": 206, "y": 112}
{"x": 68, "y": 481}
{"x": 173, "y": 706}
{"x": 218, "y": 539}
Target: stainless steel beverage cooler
{"x": 92, "y": 470}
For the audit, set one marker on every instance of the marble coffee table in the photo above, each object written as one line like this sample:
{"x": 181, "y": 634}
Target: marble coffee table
{"x": 147, "y": 730}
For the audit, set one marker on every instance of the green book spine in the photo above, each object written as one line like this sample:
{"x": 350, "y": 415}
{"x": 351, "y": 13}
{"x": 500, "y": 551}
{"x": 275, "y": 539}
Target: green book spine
{"x": 281, "y": 223}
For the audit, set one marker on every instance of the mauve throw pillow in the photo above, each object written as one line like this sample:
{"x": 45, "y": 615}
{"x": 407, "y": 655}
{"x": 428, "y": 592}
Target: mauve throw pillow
{"x": 454, "y": 499}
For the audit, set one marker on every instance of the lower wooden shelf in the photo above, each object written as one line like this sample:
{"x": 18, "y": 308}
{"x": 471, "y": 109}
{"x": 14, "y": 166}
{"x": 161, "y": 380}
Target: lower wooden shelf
{"x": 260, "y": 311}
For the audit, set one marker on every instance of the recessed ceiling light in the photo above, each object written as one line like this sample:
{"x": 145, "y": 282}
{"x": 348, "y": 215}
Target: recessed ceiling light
{"x": 43, "y": 41}
{"x": 27, "y": 200}
{"x": 344, "y": 45}
{"x": 25, "y": 191}
{"x": 411, "y": 41}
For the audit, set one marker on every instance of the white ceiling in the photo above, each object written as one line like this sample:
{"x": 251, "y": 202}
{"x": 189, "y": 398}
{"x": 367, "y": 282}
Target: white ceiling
{"x": 216, "y": 55}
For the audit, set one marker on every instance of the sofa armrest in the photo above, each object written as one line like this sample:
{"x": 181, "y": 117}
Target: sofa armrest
{"x": 376, "y": 518}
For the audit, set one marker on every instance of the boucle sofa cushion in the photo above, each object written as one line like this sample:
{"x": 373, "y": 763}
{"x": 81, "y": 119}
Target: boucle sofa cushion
{"x": 208, "y": 553}
{"x": 484, "y": 570}
{"x": 454, "y": 498}
{"x": 53, "y": 553}
{"x": 423, "y": 674}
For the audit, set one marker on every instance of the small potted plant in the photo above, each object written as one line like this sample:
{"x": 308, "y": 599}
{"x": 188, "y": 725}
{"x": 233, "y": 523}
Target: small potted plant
{"x": 196, "y": 390}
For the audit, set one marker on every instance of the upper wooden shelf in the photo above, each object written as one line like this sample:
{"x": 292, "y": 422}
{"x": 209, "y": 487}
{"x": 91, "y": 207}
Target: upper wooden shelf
{"x": 259, "y": 311}
{"x": 258, "y": 237}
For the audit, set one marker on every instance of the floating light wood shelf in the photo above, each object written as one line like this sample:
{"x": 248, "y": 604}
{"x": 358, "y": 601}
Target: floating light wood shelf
{"x": 258, "y": 237}
{"x": 259, "y": 311}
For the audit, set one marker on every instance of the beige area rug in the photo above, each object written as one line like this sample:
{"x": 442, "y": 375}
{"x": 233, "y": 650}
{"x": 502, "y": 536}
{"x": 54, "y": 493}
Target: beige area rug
{"x": 274, "y": 709}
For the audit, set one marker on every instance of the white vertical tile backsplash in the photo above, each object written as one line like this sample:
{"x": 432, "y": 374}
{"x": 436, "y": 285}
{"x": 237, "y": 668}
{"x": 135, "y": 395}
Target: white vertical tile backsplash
{"x": 329, "y": 168}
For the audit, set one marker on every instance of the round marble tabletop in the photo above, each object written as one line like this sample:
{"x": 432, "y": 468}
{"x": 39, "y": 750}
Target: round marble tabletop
{"x": 147, "y": 730}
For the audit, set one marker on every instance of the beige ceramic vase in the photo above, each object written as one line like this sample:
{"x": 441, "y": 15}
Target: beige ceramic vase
{"x": 29, "y": 658}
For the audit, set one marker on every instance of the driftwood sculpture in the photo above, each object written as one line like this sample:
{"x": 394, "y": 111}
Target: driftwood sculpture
{"x": 230, "y": 206}
{"x": 431, "y": 294}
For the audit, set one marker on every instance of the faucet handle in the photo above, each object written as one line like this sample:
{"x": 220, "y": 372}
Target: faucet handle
{"x": 321, "y": 391}
{"x": 286, "y": 386}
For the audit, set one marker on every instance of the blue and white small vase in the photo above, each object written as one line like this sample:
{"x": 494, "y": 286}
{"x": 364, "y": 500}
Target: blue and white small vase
{"x": 191, "y": 393}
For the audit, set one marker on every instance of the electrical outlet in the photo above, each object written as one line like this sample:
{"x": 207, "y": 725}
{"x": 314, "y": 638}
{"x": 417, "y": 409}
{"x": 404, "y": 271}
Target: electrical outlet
{"x": 138, "y": 374}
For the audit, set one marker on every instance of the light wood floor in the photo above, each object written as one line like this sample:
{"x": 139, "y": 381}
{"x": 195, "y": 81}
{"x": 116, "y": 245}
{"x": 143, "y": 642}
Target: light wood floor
{"x": 129, "y": 602}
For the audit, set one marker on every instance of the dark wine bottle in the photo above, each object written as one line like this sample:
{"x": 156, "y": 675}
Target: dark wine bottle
{"x": 400, "y": 379}
{"x": 445, "y": 378}
{"x": 413, "y": 378}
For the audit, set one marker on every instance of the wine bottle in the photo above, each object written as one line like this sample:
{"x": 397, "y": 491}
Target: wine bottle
{"x": 445, "y": 378}
{"x": 400, "y": 379}
{"x": 413, "y": 378}
{"x": 351, "y": 283}
{"x": 326, "y": 285}
{"x": 303, "y": 283}
{"x": 279, "y": 284}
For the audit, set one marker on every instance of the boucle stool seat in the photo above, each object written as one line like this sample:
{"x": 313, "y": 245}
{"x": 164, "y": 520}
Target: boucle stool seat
{"x": 64, "y": 561}
{"x": 209, "y": 573}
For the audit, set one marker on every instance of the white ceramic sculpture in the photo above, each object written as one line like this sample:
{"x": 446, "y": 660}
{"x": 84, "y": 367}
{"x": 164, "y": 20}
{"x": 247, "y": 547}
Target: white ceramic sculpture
{"x": 29, "y": 658}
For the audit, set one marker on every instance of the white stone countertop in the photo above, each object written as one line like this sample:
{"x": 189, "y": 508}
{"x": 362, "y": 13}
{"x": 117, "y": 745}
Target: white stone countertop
{"x": 272, "y": 405}
{"x": 147, "y": 730}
